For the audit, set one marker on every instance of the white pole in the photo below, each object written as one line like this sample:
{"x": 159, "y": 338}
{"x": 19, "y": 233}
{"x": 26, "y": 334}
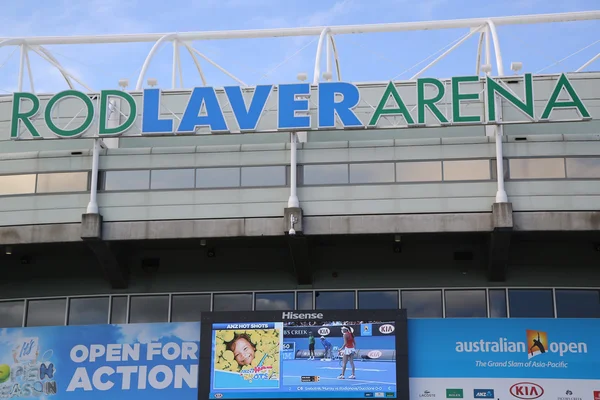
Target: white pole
{"x": 92, "y": 207}
{"x": 293, "y": 200}
{"x": 22, "y": 67}
{"x": 584, "y": 66}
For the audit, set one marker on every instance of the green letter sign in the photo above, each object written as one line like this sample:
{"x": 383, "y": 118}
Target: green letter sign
{"x": 575, "y": 102}
{"x": 18, "y": 116}
{"x": 526, "y": 107}
{"x": 81, "y": 128}
{"x": 104, "y": 95}
{"x": 431, "y": 103}
{"x": 457, "y": 97}
{"x": 381, "y": 110}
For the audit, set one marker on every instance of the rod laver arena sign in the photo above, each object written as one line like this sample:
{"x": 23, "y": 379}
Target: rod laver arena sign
{"x": 290, "y": 107}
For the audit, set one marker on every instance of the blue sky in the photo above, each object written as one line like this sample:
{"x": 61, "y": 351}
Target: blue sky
{"x": 367, "y": 57}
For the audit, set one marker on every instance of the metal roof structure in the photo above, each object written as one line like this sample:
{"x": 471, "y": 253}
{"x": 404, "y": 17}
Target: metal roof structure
{"x": 484, "y": 28}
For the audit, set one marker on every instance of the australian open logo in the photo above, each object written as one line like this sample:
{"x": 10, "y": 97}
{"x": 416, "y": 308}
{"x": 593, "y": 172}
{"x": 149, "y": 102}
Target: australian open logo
{"x": 28, "y": 374}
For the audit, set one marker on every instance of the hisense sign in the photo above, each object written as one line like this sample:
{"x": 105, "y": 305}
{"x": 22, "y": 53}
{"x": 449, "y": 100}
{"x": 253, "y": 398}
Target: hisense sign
{"x": 291, "y": 107}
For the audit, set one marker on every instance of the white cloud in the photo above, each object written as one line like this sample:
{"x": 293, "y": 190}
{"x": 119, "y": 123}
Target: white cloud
{"x": 145, "y": 333}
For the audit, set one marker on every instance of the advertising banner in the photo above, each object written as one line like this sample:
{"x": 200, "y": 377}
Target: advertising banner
{"x": 149, "y": 361}
{"x": 519, "y": 359}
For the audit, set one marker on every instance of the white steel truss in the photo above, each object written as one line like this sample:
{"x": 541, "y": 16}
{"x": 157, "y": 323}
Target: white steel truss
{"x": 485, "y": 27}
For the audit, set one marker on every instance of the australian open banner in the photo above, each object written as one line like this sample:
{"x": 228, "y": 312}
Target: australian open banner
{"x": 523, "y": 359}
{"x": 150, "y": 361}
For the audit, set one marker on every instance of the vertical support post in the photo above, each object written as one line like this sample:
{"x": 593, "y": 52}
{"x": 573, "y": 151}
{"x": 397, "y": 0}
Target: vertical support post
{"x": 22, "y": 67}
{"x": 175, "y": 62}
{"x": 501, "y": 196}
{"x": 293, "y": 200}
{"x": 92, "y": 207}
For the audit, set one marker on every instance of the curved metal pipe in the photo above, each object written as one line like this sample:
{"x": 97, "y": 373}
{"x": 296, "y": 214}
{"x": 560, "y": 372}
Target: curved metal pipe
{"x": 317, "y": 71}
{"x": 479, "y": 46}
{"x": 337, "y": 59}
{"x": 155, "y": 48}
{"x": 63, "y": 71}
{"x": 497, "y": 52}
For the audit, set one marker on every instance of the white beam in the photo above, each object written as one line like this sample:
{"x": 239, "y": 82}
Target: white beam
{"x": 315, "y": 31}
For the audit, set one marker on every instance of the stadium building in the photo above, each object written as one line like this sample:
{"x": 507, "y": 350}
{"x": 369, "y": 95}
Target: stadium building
{"x": 149, "y": 206}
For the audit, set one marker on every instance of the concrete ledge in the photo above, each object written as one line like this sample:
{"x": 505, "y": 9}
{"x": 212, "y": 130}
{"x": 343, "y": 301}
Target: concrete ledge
{"x": 315, "y": 225}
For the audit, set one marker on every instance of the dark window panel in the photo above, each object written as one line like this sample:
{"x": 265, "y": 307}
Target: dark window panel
{"x": 497, "y": 303}
{"x": 419, "y": 171}
{"x": 422, "y": 303}
{"x": 264, "y": 176}
{"x": 378, "y": 299}
{"x": 372, "y": 173}
{"x": 325, "y": 174}
{"x": 232, "y": 302}
{"x": 335, "y": 300}
{"x": 495, "y": 172}
{"x": 305, "y": 301}
{"x": 465, "y": 304}
{"x": 537, "y": 168}
{"x": 274, "y": 301}
{"x": 11, "y": 314}
{"x": 571, "y": 303}
{"x": 46, "y": 312}
{"x": 118, "y": 312}
{"x": 172, "y": 179}
{"x": 531, "y": 303}
{"x": 187, "y": 307}
{"x": 88, "y": 311}
{"x": 148, "y": 309}
{"x": 127, "y": 180}
{"x": 62, "y": 182}
{"x": 17, "y": 184}
{"x": 217, "y": 177}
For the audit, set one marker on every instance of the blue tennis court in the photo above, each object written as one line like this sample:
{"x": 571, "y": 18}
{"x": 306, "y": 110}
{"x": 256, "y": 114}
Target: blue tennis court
{"x": 380, "y": 373}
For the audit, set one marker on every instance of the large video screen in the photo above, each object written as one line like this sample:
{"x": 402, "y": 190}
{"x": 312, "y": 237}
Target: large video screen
{"x": 298, "y": 357}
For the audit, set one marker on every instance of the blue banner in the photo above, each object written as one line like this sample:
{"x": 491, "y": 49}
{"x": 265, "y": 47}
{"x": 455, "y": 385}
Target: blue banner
{"x": 152, "y": 361}
{"x": 504, "y": 358}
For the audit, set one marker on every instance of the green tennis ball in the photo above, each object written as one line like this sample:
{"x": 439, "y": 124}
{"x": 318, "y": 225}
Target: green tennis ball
{"x": 4, "y": 373}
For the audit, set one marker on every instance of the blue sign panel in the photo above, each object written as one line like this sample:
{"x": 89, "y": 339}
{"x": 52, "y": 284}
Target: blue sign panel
{"x": 522, "y": 359}
{"x": 152, "y": 361}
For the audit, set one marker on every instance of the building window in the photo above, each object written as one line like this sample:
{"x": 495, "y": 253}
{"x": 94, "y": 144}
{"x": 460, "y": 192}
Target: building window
{"x": 305, "y": 301}
{"x": 465, "y": 304}
{"x": 232, "y": 302}
{"x": 187, "y": 307}
{"x": 17, "y": 184}
{"x": 422, "y": 303}
{"x": 325, "y": 174}
{"x": 368, "y": 299}
{"x": 11, "y": 314}
{"x": 335, "y": 300}
{"x": 148, "y": 309}
{"x": 531, "y": 303}
{"x": 577, "y": 303}
{"x": 536, "y": 168}
{"x": 585, "y": 167}
{"x": 372, "y": 173}
{"x": 127, "y": 180}
{"x": 46, "y": 312}
{"x": 274, "y": 301}
{"x": 217, "y": 177}
{"x": 172, "y": 179}
{"x": 264, "y": 176}
{"x": 118, "y": 310}
{"x": 419, "y": 171}
{"x": 497, "y": 303}
{"x": 88, "y": 311}
{"x": 467, "y": 170}
{"x": 62, "y": 182}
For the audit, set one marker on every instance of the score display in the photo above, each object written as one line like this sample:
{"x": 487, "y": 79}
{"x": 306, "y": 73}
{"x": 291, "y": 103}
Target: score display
{"x": 303, "y": 359}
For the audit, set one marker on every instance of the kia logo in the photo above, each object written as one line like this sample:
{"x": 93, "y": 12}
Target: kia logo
{"x": 218, "y": 395}
{"x": 386, "y": 329}
{"x": 526, "y": 390}
{"x": 374, "y": 354}
{"x": 323, "y": 331}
